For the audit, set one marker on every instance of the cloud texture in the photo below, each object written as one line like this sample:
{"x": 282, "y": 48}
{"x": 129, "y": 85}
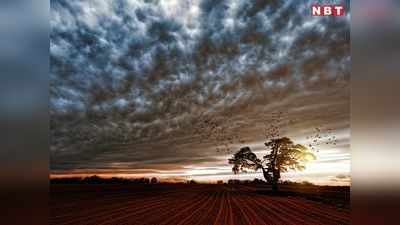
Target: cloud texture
{"x": 130, "y": 80}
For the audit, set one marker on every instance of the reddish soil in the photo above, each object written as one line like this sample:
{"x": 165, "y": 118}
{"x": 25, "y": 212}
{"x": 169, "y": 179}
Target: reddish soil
{"x": 199, "y": 204}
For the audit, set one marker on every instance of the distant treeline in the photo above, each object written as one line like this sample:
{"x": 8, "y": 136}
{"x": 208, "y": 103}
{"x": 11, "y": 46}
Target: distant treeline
{"x": 154, "y": 180}
{"x": 101, "y": 180}
{"x": 260, "y": 181}
{"x": 255, "y": 181}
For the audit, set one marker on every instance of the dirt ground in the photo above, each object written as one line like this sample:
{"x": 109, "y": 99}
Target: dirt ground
{"x": 197, "y": 204}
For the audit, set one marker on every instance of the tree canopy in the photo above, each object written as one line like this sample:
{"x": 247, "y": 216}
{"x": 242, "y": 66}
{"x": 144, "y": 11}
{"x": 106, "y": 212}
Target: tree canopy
{"x": 283, "y": 155}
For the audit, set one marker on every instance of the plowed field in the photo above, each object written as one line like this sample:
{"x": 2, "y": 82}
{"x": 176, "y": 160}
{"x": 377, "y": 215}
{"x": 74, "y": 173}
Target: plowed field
{"x": 185, "y": 205}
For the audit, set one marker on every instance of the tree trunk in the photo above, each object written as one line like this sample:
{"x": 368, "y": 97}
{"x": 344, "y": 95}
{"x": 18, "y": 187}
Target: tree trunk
{"x": 275, "y": 186}
{"x": 267, "y": 177}
{"x": 273, "y": 180}
{"x": 276, "y": 176}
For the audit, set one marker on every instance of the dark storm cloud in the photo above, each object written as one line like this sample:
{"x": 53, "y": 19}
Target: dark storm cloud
{"x": 129, "y": 79}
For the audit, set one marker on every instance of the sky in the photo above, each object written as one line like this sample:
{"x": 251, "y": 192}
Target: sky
{"x": 133, "y": 82}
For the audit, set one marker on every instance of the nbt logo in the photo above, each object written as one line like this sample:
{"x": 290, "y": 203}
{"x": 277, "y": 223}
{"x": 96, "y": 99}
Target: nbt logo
{"x": 327, "y": 10}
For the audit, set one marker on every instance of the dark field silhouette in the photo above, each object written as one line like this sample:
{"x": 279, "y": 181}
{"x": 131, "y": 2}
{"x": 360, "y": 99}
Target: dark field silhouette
{"x": 198, "y": 204}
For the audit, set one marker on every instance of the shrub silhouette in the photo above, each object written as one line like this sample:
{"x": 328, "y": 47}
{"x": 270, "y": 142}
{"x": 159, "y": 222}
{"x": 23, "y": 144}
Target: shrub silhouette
{"x": 284, "y": 155}
{"x": 154, "y": 180}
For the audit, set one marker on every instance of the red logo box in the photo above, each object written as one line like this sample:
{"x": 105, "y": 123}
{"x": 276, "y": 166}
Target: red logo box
{"x": 327, "y": 10}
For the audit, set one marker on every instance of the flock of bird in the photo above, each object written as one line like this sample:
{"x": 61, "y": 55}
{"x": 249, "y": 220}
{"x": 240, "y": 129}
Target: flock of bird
{"x": 273, "y": 127}
{"x": 224, "y": 133}
{"x": 321, "y": 137}
{"x": 220, "y": 133}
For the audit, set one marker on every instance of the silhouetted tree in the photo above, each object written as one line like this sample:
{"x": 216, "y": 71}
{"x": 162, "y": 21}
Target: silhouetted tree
{"x": 258, "y": 181}
{"x": 283, "y": 156}
{"x": 154, "y": 180}
{"x": 192, "y": 182}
